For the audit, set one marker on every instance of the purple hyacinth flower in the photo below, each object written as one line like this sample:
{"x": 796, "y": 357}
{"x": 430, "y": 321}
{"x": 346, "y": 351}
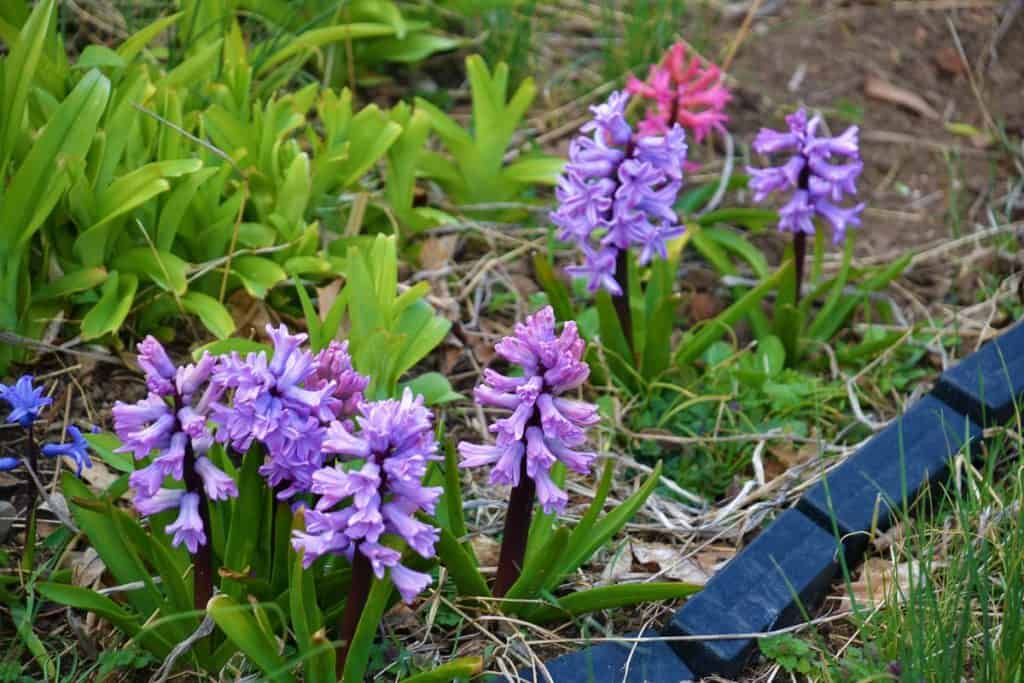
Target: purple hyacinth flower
{"x": 188, "y": 528}
{"x": 544, "y": 427}
{"x": 615, "y": 189}
{"x": 814, "y": 172}
{"x": 169, "y": 424}
{"x": 26, "y": 400}
{"x": 378, "y": 484}
{"x": 77, "y": 449}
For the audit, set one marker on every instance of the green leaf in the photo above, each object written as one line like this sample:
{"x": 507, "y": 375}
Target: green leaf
{"x": 321, "y": 36}
{"x": 225, "y": 346}
{"x": 99, "y": 56}
{"x": 617, "y": 351}
{"x": 90, "y": 601}
{"x": 246, "y": 517}
{"x": 452, "y": 493}
{"x": 694, "y": 345}
{"x": 555, "y": 288}
{"x": 131, "y": 47}
{"x": 258, "y": 274}
{"x": 544, "y": 570}
{"x": 165, "y": 269}
{"x": 755, "y": 219}
{"x": 413, "y": 48}
{"x": 41, "y": 179}
{"x": 609, "y": 597}
{"x": 19, "y": 70}
{"x": 72, "y": 283}
{"x": 318, "y": 657}
{"x": 369, "y": 621}
{"x": 241, "y": 625}
{"x": 535, "y": 171}
{"x": 464, "y": 667}
{"x": 110, "y": 311}
{"x": 105, "y": 445}
{"x": 434, "y": 388}
{"x": 461, "y": 566}
{"x": 211, "y": 312}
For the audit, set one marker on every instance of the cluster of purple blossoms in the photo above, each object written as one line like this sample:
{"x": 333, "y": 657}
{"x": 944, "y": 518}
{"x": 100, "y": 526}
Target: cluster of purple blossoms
{"x": 618, "y": 191}
{"x": 378, "y": 482}
{"x": 286, "y": 403}
{"x": 813, "y": 172}
{"x": 173, "y": 421}
{"x": 543, "y": 426}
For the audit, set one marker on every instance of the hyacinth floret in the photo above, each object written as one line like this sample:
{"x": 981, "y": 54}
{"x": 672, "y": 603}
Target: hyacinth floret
{"x": 617, "y": 192}
{"x": 544, "y": 427}
{"x": 820, "y": 171}
{"x": 286, "y": 403}
{"x": 26, "y": 400}
{"x": 690, "y": 93}
{"x": 170, "y": 421}
{"x": 375, "y": 490}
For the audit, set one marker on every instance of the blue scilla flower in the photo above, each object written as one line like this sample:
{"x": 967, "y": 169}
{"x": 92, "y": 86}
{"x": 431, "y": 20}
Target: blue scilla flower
{"x": 8, "y": 463}
{"x": 25, "y": 399}
{"x": 77, "y": 449}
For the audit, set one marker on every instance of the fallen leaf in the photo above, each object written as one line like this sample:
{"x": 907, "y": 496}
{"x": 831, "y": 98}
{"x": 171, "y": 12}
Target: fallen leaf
{"x": 619, "y": 566}
{"x": 886, "y": 91}
{"x": 486, "y": 550}
{"x": 670, "y": 563}
{"x": 789, "y": 456}
{"x": 704, "y": 307}
{"x": 950, "y": 61}
{"x": 98, "y": 476}
{"x": 880, "y": 580}
{"x": 436, "y": 252}
{"x": 86, "y": 568}
{"x": 325, "y": 297}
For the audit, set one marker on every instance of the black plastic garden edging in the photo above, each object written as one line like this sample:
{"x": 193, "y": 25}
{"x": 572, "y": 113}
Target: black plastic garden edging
{"x": 796, "y": 555}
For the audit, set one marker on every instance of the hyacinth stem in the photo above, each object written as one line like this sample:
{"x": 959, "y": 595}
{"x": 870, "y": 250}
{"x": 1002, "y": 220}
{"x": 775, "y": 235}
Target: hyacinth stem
{"x": 800, "y": 256}
{"x": 621, "y": 302}
{"x": 358, "y": 593}
{"x": 517, "y": 532}
{"x": 28, "y": 557}
{"x": 202, "y": 561}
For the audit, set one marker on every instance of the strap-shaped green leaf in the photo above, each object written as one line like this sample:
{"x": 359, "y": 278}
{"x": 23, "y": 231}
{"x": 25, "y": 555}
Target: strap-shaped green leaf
{"x": 317, "y": 660}
{"x": 461, "y": 566}
{"x": 362, "y": 641}
{"x": 544, "y": 570}
{"x": 211, "y": 312}
{"x": 241, "y": 625}
{"x": 109, "y": 313}
{"x": 76, "y": 281}
{"x": 464, "y": 667}
{"x": 168, "y": 271}
{"x": 609, "y": 597}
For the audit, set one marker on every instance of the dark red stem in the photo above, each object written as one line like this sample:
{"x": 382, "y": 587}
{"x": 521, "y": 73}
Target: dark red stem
{"x": 517, "y": 532}
{"x": 621, "y": 302}
{"x": 358, "y": 593}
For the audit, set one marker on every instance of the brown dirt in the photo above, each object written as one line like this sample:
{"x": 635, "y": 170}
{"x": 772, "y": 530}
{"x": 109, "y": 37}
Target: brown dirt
{"x": 911, "y": 193}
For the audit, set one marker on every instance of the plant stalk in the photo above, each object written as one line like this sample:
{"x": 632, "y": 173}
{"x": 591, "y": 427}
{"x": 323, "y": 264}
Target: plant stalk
{"x": 621, "y": 302}
{"x": 517, "y": 532}
{"x": 799, "y": 256}
{"x": 202, "y": 561}
{"x": 358, "y": 594}
{"x": 29, "y": 555}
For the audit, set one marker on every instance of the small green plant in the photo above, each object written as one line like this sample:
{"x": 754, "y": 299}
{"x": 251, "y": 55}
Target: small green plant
{"x": 791, "y": 653}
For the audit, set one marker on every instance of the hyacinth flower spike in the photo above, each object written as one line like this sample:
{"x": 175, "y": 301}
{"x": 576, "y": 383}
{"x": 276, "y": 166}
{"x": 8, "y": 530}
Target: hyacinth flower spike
{"x": 544, "y": 427}
{"x": 172, "y": 423}
{"x": 370, "y": 498}
{"x": 819, "y": 173}
{"x": 688, "y": 92}
{"x": 617, "y": 192}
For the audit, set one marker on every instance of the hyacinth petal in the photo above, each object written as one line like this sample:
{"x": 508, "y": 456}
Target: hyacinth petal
{"x": 576, "y": 461}
{"x": 188, "y": 527}
{"x": 340, "y": 440}
{"x": 507, "y": 468}
{"x": 551, "y": 497}
{"x": 409, "y": 583}
{"x": 381, "y": 557}
{"x": 217, "y": 484}
{"x": 162, "y": 499}
{"x": 147, "y": 481}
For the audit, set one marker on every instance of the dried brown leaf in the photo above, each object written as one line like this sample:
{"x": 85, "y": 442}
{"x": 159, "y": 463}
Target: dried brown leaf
{"x": 886, "y": 91}
{"x": 486, "y": 550}
{"x": 436, "y": 252}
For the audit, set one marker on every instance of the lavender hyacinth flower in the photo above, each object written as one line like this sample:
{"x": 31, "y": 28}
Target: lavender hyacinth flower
{"x": 286, "y": 403}
{"x": 25, "y": 399}
{"x": 77, "y": 449}
{"x": 375, "y": 490}
{"x": 820, "y": 172}
{"x": 544, "y": 427}
{"x": 617, "y": 192}
{"x": 172, "y": 421}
